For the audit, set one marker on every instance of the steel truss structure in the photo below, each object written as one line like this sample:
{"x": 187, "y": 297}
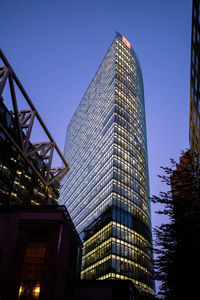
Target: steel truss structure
{"x": 16, "y": 126}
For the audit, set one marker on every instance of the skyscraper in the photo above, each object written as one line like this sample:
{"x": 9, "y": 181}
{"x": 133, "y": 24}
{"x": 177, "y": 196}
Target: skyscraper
{"x": 107, "y": 188}
{"x": 194, "y": 133}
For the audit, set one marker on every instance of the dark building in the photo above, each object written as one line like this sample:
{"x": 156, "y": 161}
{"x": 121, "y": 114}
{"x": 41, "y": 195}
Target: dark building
{"x": 185, "y": 185}
{"x": 40, "y": 253}
{"x": 182, "y": 181}
{"x": 194, "y": 126}
{"x": 106, "y": 190}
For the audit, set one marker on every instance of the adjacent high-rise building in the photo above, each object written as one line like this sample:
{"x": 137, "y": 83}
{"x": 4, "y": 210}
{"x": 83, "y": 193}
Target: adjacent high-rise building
{"x": 194, "y": 131}
{"x": 106, "y": 190}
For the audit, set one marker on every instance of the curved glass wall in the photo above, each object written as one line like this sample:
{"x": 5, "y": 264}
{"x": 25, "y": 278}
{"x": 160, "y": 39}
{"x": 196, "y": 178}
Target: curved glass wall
{"x": 106, "y": 190}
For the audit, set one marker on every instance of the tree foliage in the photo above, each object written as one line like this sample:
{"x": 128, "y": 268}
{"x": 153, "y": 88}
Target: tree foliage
{"x": 177, "y": 242}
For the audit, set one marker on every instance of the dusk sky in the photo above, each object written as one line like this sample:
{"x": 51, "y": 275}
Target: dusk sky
{"x": 56, "y": 46}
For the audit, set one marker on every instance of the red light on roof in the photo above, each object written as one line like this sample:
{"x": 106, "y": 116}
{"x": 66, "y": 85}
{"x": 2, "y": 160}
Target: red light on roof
{"x": 126, "y": 42}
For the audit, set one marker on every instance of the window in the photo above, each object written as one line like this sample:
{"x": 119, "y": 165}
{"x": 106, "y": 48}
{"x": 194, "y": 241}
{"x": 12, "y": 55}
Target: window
{"x": 32, "y": 271}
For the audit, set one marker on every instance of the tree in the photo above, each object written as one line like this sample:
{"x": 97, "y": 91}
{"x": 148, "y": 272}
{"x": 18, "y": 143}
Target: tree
{"x": 178, "y": 241}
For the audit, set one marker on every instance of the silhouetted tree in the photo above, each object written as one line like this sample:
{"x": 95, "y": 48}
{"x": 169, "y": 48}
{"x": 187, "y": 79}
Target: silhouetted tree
{"x": 178, "y": 241}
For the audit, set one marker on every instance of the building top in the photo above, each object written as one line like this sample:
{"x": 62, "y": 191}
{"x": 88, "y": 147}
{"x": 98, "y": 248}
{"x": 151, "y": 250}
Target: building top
{"x": 129, "y": 46}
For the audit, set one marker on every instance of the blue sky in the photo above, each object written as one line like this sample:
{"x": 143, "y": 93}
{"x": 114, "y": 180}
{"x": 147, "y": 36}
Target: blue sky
{"x": 56, "y": 46}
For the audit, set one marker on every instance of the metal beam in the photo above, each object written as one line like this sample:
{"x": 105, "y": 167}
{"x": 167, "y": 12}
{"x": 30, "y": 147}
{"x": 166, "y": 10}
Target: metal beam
{"x": 4, "y": 72}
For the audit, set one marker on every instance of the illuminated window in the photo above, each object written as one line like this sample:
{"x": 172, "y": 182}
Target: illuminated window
{"x": 32, "y": 271}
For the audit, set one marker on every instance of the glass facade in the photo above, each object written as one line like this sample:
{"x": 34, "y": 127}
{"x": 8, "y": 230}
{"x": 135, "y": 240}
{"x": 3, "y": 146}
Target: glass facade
{"x": 106, "y": 190}
{"x": 194, "y": 133}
